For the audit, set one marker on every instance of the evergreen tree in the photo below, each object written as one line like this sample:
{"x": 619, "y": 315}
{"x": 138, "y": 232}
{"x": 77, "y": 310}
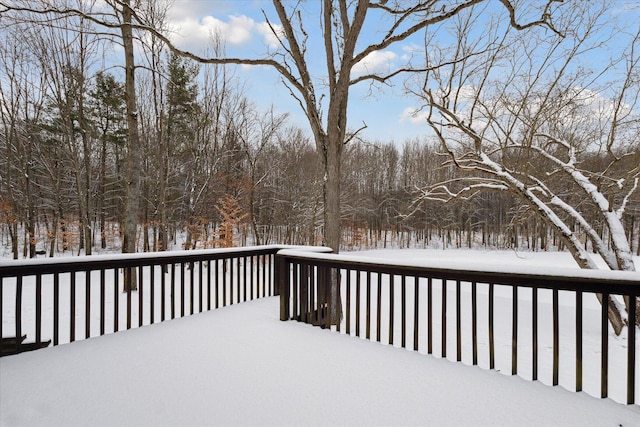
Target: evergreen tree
{"x": 107, "y": 105}
{"x": 180, "y": 145}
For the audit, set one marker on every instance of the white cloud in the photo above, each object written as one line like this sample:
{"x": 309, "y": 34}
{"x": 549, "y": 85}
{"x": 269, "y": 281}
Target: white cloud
{"x": 374, "y": 62}
{"x": 414, "y": 116}
{"x": 600, "y": 107}
{"x": 411, "y": 50}
{"x": 270, "y": 38}
{"x": 236, "y": 31}
{"x": 195, "y": 33}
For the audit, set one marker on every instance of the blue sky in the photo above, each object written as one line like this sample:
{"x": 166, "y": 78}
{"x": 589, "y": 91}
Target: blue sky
{"x": 385, "y": 110}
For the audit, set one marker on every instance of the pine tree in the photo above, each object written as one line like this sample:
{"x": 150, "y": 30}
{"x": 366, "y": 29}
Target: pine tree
{"x": 109, "y": 124}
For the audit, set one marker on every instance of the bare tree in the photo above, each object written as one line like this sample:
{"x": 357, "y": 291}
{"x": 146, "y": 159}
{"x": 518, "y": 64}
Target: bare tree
{"x": 21, "y": 106}
{"x": 529, "y": 115}
{"x": 342, "y": 25}
{"x": 296, "y": 189}
{"x": 256, "y": 132}
{"x": 65, "y": 58}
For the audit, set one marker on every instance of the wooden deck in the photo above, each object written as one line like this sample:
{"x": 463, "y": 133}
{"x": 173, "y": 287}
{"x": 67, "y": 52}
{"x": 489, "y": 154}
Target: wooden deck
{"x": 241, "y": 365}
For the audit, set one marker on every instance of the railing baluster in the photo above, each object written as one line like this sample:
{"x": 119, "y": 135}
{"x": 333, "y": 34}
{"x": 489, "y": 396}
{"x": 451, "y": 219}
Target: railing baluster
{"x": 474, "y": 322}
{"x": 128, "y": 273}
{"x": 403, "y": 309}
{"x": 56, "y": 308}
{"x": 492, "y": 359}
{"x": 152, "y": 294}
{"x": 87, "y": 308}
{"x": 339, "y": 301}
{"x": 323, "y": 296}
{"x": 534, "y": 334}
{"x": 358, "y": 303}
{"x": 348, "y": 304}
{"x": 368, "y": 307}
{"x": 116, "y": 299}
{"x": 182, "y": 292}
{"x": 254, "y": 276}
{"x": 173, "y": 290}
{"x": 244, "y": 280}
{"x": 238, "y": 278}
{"x": 296, "y": 284}
{"x": 303, "y": 272}
{"x": 262, "y": 264}
{"x": 191, "y": 287}
{"x": 200, "y": 286}
{"x": 252, "y": 284}
{"x": 2, "y": 305}
{"x": 631, "y": 351}
{"x": 556, "y": 339}
{"x": 314, "y": 290}
{"x": 514, "y": 330}
{"x": 304, "y": 293}
{"x": 224, "y": 283}
{"x": 444, "y": 318}
{"x": 604, "y": 350}
{"x": 217, "y": 284}
{"x": 38, "y": 308}
{"x": 429, "y": 315}
{"x": 378, "y": 306}
{"x": 231, "y": 281}
{"x": 269, "y": 267}
{"x": 72, "y": 306}
{"x": 18, "y": 312}
{"x": 208, "y": 285}
{"x": 578, "y": 340}
{"x": 299, "y": 285}
{"x": 458, "y": 324}
{"x": 416, "y": 317}
{"x": 103, "y": 291}
{"x": 140, "y": 295}
{"x": 391, "y": 306}
{"x": 272, "y": 259}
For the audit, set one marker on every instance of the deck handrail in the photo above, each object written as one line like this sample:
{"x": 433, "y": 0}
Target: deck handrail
{"x": 376, "y": 303}
{"x": 169, "y": 285}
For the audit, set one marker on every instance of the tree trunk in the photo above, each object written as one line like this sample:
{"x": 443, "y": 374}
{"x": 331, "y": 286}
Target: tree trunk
{"x": 132, "y": 165}
{"x": 86, "y": 211}
{"x": 102, "y": 199}
{"x": 332, "y": 220}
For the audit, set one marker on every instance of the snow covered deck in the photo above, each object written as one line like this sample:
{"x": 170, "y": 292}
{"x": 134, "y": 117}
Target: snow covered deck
{"x": 240, "y": 365}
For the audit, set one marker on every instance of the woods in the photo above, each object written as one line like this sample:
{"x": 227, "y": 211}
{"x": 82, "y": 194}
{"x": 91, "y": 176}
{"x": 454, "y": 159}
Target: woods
{"x": 114, "y": 138}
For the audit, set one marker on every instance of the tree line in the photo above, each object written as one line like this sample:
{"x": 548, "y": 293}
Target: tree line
{"x": 204, "y": 155}
{"x": 214, "y": 165}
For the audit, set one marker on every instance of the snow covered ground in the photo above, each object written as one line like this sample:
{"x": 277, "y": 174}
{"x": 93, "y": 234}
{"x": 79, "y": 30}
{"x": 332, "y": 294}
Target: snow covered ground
{"x": 240, "y": 365}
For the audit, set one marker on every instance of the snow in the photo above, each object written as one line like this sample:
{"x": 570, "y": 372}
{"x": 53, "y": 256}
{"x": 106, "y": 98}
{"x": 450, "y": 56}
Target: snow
{"x": 69, "y": 258}
{"x": 240, "y": 365}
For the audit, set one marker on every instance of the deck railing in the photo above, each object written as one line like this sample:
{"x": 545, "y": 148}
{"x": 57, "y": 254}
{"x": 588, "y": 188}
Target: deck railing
{"x": 65, "y": 299}
{"x": 500, "y": 318}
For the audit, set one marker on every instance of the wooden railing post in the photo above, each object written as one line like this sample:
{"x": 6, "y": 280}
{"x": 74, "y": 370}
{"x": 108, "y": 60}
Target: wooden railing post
{"x": 281, "y": 278}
